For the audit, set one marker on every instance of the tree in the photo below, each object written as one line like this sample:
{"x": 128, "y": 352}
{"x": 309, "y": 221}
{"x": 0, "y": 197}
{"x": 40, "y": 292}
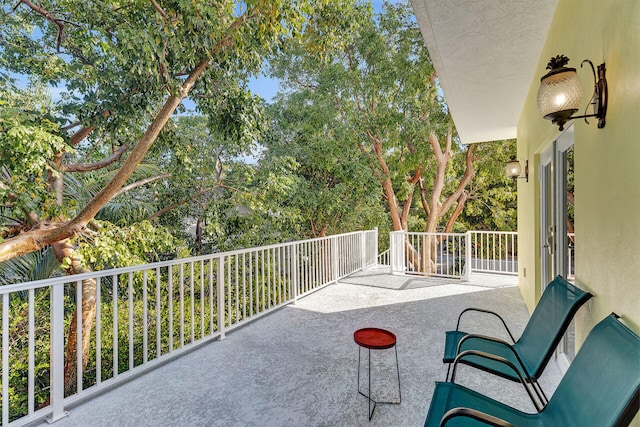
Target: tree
{"x": 383, "y": 88}
{"x": 126, "y": 69}
{"x": 121, "y": 71}
{"x": 200, "y": 150}
{"x": 334, "y": 192}
{"x": 492, "y": 201}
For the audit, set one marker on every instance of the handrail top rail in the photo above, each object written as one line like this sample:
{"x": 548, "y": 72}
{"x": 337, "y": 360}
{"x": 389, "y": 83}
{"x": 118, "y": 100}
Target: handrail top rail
{"x": 491, "y": 232}
{"x": 424, "y": 233}
{"x": 437, "y": 233}
{"x": 61, "y": 280}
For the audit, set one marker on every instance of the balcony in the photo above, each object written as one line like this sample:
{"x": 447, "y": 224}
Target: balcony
{"x": 286, "y": 357}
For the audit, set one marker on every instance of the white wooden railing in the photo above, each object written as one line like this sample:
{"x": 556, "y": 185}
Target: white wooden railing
{"x": 383, "y": 258}
{"x": 453, "y": 255}
{"x": 146, "y": 315}
{"x": 571, "y": 245}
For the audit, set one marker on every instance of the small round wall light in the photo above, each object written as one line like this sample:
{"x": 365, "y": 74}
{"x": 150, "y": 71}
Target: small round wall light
{"x": 514, "y": 169}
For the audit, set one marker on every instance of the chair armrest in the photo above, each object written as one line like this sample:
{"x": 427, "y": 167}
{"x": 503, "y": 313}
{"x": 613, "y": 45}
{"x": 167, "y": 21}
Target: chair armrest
{"x": 460, "y": 358}
{"x": 476, "y": 415}
{"x": 514, "y": 352}
{"x": 498, "y": 341}
{"x": 481, "y": 310}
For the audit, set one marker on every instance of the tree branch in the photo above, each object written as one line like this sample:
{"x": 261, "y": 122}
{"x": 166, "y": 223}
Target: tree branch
{"x": 438, "y": 183}
{"x": 86, "y": 167}
{"x": 71, "y": 126}
{"x": 462, "y": 200}
{"x": 161, "y": 11}
{"x": 180, "y": 203}
{"x": 60, "y": 23}
{"x": 83, "y": 132}
{"x": 406, "y": 206}
{"x": 141, "y": 183}
{"x": 466, "y": 179}
{"x": 423, "y": 198}
{"x": 435, "y": 145}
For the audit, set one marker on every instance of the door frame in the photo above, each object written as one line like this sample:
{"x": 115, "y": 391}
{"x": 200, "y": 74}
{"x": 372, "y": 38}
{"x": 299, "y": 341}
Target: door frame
{"x": 553, "y": 219}
{"x": 547, "y": 246}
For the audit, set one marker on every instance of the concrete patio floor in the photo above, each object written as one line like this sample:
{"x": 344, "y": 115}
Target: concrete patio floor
{"x": 298, "y": 365}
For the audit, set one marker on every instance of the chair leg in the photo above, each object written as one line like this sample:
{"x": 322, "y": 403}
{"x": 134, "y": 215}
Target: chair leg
{"x": 543, "y": 397}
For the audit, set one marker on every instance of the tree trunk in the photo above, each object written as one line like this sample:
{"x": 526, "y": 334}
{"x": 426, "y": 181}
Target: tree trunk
{"x": 64, "y": 249}
{"x": 199, "y": 236}
{"x": 462, "y": 200}
{"x": 387, "y": 186}
{"x": 436, "y": 210}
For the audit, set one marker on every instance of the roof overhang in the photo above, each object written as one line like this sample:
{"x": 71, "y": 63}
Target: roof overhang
{"x": 485, "y": 53}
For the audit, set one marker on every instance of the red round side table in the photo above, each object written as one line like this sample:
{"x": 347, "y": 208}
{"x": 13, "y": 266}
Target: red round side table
{"x": 375, "y": 339}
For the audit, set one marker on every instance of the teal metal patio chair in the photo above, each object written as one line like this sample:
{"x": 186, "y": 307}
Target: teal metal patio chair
{"x": 600, "y": 388}
{"x": 531, "y": 352}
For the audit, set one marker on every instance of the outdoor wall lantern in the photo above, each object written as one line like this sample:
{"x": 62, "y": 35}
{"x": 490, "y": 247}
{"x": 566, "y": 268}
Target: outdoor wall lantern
{"x": 560, "y": 93}
{"x": 514, "y": 169}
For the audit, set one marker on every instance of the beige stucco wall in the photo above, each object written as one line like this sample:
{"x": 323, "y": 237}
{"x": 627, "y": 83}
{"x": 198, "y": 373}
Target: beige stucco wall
{"x": 607, "y": 161}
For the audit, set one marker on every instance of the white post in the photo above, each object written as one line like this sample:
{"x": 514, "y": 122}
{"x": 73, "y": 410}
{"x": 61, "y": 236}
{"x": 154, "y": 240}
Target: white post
{"x": 467, "y": 256}
{"x": 221, "y": 297}
{"x": 294, "y": 279}
{"x": 57, "y": 354}
{"x": 334, "y": 259}
{"x": 392, "y": 252}
{"x": 375, "y": 245}
{"x": 363, "y": 249}
{"x": 397, "y": 259}
{"x": 5, "y": 358}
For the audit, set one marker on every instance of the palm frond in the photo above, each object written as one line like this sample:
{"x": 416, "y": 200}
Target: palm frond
{"x": 92, "y": 182}
{"x": 125, "y": 212}
{"x": 32, "y": 266}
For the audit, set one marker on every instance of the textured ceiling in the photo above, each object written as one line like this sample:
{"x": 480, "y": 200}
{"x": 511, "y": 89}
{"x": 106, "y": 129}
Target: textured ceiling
{"x": 485, "y": 53}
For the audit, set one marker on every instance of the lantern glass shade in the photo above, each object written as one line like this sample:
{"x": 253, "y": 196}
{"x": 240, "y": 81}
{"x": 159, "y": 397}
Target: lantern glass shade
{"x": 513, "y": 169}
{"x": 559, "y": 94}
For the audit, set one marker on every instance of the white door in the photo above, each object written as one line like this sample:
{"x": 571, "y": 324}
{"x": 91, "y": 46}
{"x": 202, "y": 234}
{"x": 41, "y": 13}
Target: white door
{"x": 547, "y": 243}
{"x": 556, "y": 167}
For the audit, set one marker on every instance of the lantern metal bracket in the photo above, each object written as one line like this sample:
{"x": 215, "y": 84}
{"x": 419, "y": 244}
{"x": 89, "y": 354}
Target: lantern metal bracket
{"x": 600, "y": 96}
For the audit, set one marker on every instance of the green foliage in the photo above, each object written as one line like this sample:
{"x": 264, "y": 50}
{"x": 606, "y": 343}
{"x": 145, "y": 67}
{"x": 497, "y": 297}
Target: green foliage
{"x": 114, "y": 247}
{"x": 378, "y": 93}
{"x": 29, "y": 137}
{"x": 373, "y": 101}
{"x": 492, "y": 203}
{"x": 328, "y": 187}
{"x": 255, "y": 213}
{"x": 19, "y": 351}
{"x": 115, "y": 65}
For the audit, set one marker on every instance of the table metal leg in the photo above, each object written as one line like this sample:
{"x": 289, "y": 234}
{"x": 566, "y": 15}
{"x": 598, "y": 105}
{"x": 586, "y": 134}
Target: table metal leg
{"x": 368, "y": 395}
